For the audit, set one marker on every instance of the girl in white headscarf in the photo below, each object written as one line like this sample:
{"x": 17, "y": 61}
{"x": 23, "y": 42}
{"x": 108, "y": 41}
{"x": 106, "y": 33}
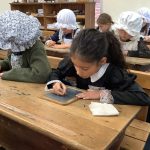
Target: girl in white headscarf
{"x": 127, "y": 30}
{"x": 27, "y": 61}
{"x": 68, "y": 29}
{"x": 145, "y": 31}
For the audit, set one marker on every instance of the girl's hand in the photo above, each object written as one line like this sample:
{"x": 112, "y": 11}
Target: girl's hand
{"x": 50, "y": 43}
{"x": 90, "y": 94}
{"x": 59, "y": 88}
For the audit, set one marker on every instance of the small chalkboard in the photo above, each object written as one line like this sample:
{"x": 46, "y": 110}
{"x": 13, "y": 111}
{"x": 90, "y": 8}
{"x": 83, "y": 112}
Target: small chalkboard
{"x": 69, "y": 97}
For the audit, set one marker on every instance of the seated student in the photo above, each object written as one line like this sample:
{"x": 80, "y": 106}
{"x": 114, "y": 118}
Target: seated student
{"x": 27, "y": 60}
{"x": 127, "y": 30}
{"x": 104, "y": 22}
{"x": 145, "y": 13}
{"x": 68, "y": 29}
{"x": 97, "y": 63}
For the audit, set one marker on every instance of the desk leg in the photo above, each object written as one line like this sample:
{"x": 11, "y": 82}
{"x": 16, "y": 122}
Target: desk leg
{"x": 14, "y": 136}
{"x": 116, "y": 144}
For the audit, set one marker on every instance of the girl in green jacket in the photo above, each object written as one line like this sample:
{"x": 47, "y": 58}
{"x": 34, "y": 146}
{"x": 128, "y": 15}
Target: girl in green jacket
{"x": 27, "y": 60}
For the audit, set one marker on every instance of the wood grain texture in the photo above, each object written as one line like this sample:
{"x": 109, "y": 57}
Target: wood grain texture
{"x": 143, "y": 78}
{"x": 131, "y": 144}
{"x": 72, "y": 125}
{"x": 137, "y": 61}
{"x": 3, "y": 54}
{"x": 54, "y": 61}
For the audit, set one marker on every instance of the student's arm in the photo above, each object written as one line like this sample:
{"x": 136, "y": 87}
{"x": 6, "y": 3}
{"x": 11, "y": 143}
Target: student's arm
{"x": 35, "y": 66}
{"x": 143, "y": 50}
{"x": 126, "y": 91}
{"x": 61, "y": 46}
{"x": 52, "y": 39}
{"x": 131, "y": 97}
{"x": 55, "y": 36}
{"x": 65, "y": 69}
{"x": 50, "y": 43}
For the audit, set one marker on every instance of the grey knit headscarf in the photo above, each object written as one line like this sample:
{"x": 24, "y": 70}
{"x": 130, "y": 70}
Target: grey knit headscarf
{"x": 18, "y": 32}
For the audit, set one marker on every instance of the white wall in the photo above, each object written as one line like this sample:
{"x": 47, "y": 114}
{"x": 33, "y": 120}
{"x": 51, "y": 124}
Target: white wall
{"x": 115, "y": 7}
{"x": 4, "y": 5}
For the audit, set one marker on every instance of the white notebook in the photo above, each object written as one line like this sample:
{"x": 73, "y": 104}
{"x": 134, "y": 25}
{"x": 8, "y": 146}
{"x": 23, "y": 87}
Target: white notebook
{"x": 103, "y": 109}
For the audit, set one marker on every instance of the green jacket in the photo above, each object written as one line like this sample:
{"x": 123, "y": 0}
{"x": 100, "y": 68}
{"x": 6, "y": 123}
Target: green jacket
{"x": 35, "y": 67}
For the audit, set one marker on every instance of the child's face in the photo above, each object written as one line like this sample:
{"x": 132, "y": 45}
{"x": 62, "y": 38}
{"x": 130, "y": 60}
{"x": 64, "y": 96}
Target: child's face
{"x": 85, "y": 69}
{"x": 123, "y": 35}
{"x": 66, "y": 31}
{"x": 104, "y": 27}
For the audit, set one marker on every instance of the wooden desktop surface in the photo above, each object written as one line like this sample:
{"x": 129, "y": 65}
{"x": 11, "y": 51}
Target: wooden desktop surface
{"x": 3, "y": 54}
{"x": 50, "y": 51}
{"x": 60, "y": 50}
{"x": 56, "y": 52}
{"x": 137, "y": 61}
{"x": 29, "y": 122}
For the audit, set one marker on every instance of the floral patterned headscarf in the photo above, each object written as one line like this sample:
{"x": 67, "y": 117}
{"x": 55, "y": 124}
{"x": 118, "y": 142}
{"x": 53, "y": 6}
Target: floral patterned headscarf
{"x": 18, "y": 32}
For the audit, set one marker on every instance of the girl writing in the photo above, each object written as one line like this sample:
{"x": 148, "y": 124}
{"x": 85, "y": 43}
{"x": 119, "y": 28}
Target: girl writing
{"x": 97, "y": 63}
{"x": 68, "y": 29}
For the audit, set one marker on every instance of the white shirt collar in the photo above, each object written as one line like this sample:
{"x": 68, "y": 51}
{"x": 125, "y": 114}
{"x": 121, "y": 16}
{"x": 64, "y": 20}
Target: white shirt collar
{"x": 100, "y": 73}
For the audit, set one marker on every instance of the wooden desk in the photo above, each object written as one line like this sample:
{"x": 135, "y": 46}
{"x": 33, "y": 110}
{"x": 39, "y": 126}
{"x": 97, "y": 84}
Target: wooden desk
{"x": 50, "y": 52}
{"x": 28, "y": 122}
{"x": 3, "y": 54}
{"x": 56, "y": 52}
{"x": 137, "y": 61}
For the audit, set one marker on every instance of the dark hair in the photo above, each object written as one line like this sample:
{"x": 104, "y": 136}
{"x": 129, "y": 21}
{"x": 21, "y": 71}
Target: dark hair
{"x": 145, "y": 28}
{"x": 104, "y": 18}
{"x": 91, "y": 46}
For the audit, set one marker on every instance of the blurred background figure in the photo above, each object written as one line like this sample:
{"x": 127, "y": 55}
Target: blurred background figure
{"x": 145, "y": 31}
{"x": 104, "y": 22}
{"x": 67, "y": 30}
{"x": 127, "y": 30}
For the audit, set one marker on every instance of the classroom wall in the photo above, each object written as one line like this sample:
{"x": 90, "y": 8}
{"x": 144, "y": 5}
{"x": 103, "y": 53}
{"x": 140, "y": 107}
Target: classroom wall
{"x": 115, "y": 7}
{"x": 4, "y": 5}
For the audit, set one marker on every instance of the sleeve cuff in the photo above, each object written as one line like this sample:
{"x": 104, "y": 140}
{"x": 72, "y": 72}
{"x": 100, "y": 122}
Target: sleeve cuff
{"x": 49, "y": 84}
{"x": 106, "y": 97}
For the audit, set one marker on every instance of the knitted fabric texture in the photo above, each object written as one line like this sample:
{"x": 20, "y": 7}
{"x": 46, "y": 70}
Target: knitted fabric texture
{"x": 18, "y": 32}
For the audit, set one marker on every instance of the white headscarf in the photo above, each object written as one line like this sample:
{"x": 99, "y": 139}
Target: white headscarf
{"x": 145, "y": 13}
{"x": 18, "y": 32}
{"x": 66, "y": 19}
{"x": 131, "y": 22}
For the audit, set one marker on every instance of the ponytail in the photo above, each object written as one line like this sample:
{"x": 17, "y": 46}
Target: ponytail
{"x": 115, "y": 55}
{"x": 92, "y": 45}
